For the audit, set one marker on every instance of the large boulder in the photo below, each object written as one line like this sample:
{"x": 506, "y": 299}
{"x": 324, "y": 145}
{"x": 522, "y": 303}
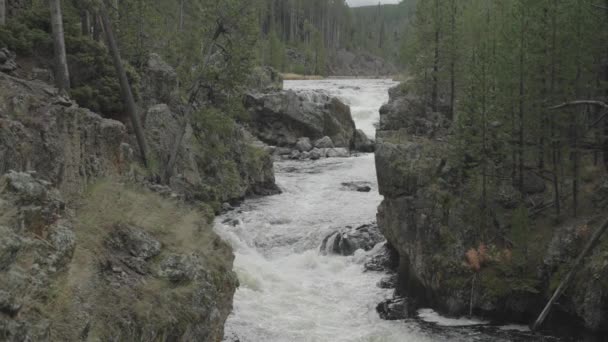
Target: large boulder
{"x": 324, "y": 142}
{"x": 281, "y": 118}
{"x": 347, "y": 240}
{"x": 396, "y": 308}
{"x": 362, "y": 143}
{"x": 304, "y": 145}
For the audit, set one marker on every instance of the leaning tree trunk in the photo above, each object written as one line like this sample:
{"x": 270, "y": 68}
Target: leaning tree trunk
{"x": 2, "y": 12}
{"x": 125, "y": 87}
{"x": 62, "y": 75}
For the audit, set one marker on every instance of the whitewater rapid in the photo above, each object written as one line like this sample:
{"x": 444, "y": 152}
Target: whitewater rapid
{"x": 288, "y": 291}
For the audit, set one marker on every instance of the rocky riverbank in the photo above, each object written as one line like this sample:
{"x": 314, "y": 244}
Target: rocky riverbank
{"x": 430, "y": 216}
{"x": 304, "y": 125}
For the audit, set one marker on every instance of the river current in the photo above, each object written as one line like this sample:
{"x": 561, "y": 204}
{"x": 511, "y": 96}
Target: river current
{"x": 289, "y": 292}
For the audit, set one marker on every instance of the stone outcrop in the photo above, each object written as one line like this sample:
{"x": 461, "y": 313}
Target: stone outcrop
{"x": 210, "y": 165}
{"x": 67, "y": 145}
{"x": 281, "y": 118}
{"x": 7, "y": 60}
{"x": 91, "y": 274}
{"x": 428, "y": 214}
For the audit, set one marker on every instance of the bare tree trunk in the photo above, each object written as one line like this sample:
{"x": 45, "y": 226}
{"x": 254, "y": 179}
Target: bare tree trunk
{"x": 555, "y": 145}
{"x": 576, "y": 266}
{"x": 521, "y": 108}
{"x": 97, "y": 29}
{"x": 435, "y": 90}
{"x": 85, "y": 23}
{"x": 453, "y": 63}
{"x": 62, "y": 75}
{"x": 2, "y": 12}
{"x": 606, "y": 99}
{"x": 181, "y": 15}
{"x": 125, "y": 87}
{"x": 575, "y": 165}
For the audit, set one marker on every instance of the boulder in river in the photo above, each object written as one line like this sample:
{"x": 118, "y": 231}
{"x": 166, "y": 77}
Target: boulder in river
{"x": 347, "y": 240}
{"x": 317, "y": 154}
{"x": 338, "y": 152}
{"x": 281, "y": 118}
{"x": 324, "y": 142}
{"x": 386, "y": 260}
{"x": 395, "y": 309}
{"x": 357, "y": 186}
{"x": 362, "y": 143}
{"x": 304, "y": 144}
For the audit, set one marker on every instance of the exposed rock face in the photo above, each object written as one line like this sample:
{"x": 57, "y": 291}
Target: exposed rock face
{"x": 65, "y": 144}
{"x": 281, "y": 118}
{"x": 241, "y": 169}
{"x": 347, "y": 240}
{"x": 428, "y": 215}
{"x": 7, "y": 60}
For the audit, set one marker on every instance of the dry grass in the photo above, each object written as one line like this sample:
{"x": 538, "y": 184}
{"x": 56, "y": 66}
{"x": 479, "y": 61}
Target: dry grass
{"x": 180, "y": 228}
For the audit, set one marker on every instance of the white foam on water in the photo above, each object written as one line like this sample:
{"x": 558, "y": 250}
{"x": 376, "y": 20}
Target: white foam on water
{"x": 289, "y": 291}
{"x": 430, "y": 316}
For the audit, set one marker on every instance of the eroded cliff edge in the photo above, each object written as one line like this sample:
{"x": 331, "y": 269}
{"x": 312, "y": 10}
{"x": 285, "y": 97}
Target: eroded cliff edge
{"x": 505, "y": 271}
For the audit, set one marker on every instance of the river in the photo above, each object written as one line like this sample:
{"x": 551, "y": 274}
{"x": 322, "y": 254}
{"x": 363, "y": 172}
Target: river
{"x": 288, "y": 291}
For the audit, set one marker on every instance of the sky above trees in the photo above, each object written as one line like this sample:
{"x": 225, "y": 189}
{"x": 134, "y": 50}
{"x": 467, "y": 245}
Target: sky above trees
{"x": 356, "y": 3}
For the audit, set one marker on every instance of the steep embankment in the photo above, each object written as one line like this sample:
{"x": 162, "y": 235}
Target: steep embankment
{"x": 91, "y": 246}
{"x": 448, "y": 261}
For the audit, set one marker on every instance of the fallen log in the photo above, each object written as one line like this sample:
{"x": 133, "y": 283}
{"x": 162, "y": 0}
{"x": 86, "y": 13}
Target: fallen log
{"x": 566, "y": 281}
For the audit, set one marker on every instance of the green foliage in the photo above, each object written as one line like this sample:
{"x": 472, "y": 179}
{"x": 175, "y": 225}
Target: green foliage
{"x": 520, "y": 235}
{"x": 277, "y": 52}
{"x": 28, "y": 32}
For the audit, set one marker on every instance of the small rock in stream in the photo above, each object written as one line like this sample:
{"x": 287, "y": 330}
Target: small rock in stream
{"x": 357, "y": 186}
{"x": 395, "y": 309}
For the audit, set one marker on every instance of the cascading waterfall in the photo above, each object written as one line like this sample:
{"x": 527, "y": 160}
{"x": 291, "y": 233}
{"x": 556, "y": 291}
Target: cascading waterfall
{"x": 291, "y": 292}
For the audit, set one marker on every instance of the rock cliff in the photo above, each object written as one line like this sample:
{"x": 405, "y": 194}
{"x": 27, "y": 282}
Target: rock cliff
{"x": 93, "y": 246}
{"x": 430, "y": 215}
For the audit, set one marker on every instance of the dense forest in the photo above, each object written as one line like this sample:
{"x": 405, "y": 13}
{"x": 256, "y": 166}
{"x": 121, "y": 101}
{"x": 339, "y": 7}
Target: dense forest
{"x": 513, "y": 75}
{"x": 306, "y": 37}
